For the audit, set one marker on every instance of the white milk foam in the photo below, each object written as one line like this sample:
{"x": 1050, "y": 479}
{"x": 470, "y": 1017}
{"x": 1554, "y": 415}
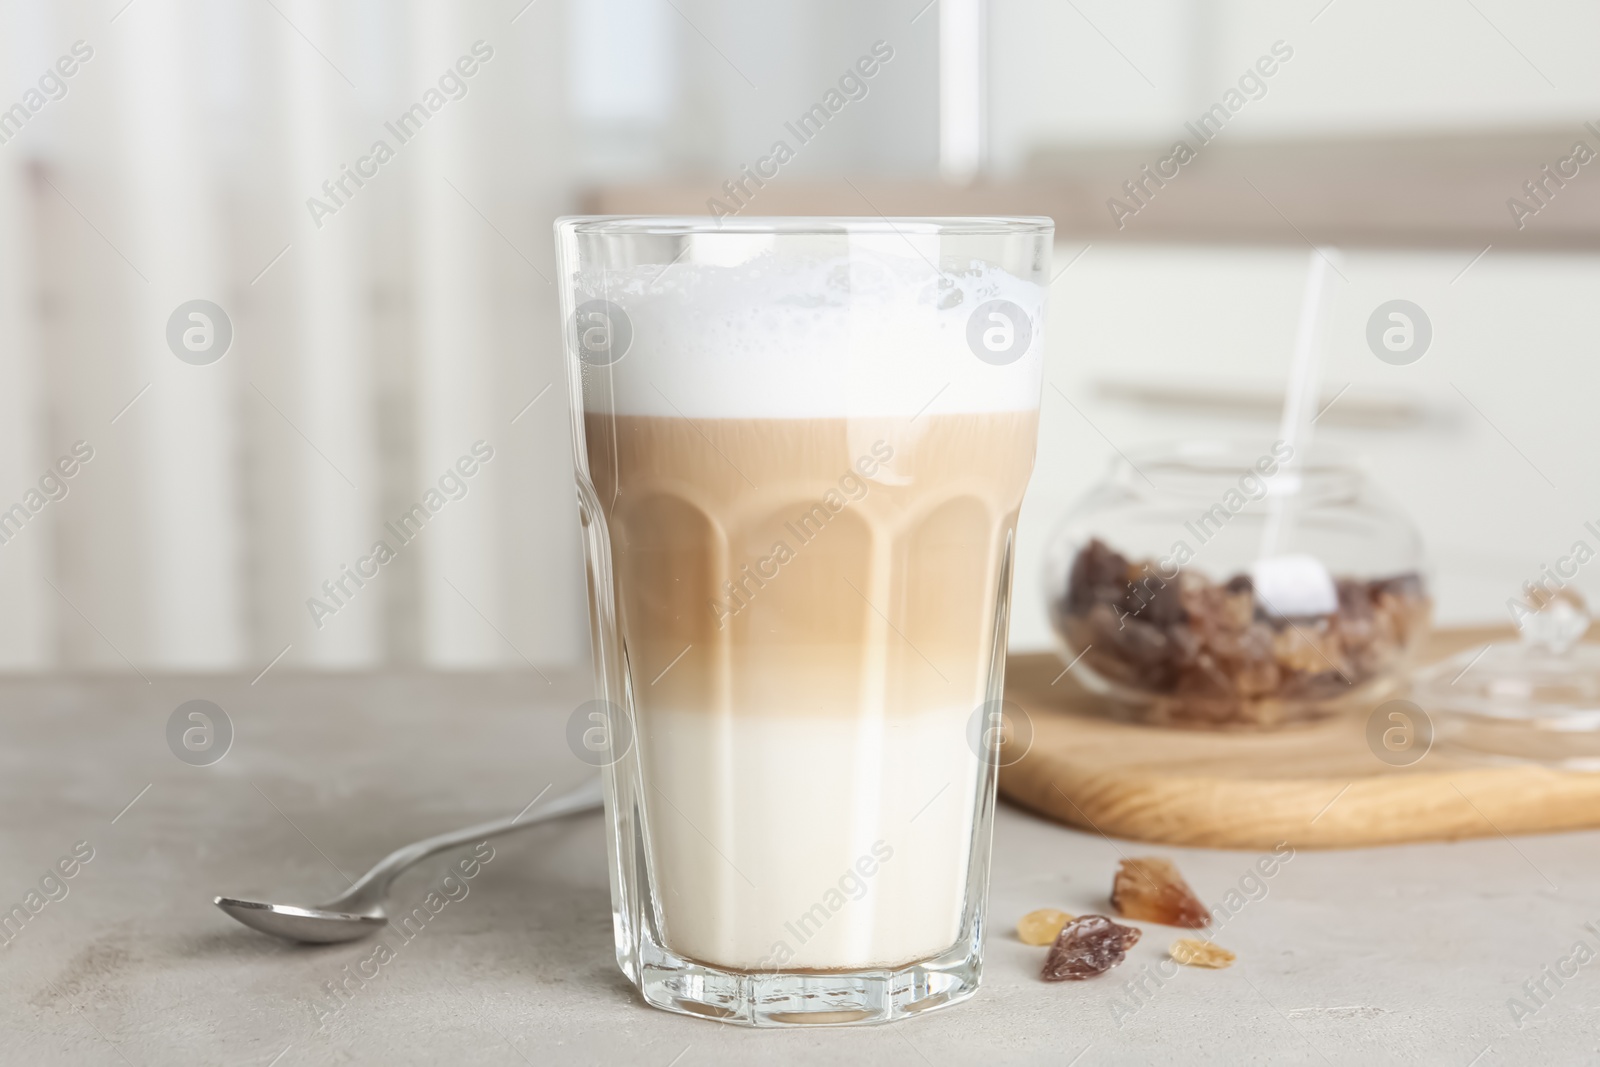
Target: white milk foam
{"x": 869, "y": 334}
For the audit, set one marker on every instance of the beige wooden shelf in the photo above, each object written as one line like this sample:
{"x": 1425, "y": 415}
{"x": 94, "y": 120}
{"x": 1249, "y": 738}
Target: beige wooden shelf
{"x": 1402, "y": 191}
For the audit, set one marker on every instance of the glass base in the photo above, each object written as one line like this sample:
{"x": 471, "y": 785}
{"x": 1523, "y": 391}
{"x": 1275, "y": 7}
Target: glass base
{"x": 1518, "y": 703}
{"x": 1563, "y": 744}
{"x": 830, "y": 998}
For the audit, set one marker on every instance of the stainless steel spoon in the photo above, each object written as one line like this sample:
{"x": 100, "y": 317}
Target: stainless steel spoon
{"x": 359, "y": 911}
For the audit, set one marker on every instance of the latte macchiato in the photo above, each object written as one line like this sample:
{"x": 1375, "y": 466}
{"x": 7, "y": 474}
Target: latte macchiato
{"x": 809, "y": 485}
{"x": 808, "y": 606}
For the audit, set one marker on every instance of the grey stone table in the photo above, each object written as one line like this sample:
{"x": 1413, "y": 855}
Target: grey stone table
{"x": 1395, "y": 955}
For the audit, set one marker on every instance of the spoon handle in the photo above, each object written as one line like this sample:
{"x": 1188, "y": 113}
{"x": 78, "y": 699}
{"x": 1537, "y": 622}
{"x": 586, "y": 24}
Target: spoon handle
{"x": 374, "y": 885}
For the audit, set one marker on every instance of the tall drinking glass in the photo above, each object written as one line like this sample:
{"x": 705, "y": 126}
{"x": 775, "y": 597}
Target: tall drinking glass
{"x": 801, "y": 445}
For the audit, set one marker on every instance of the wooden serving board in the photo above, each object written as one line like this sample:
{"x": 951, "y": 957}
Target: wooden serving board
{"x": 1316, "y": 786}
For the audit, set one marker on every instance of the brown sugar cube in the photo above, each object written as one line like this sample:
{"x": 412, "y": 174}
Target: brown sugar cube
{"x": 1192, "y": 953}
{"x": 1152, "y": 889}
{"x": 1041, "y": 927}
{"x": 1087, "y": 946}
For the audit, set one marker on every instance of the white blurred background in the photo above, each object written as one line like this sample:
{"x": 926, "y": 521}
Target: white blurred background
{"x": 374, "y": 345}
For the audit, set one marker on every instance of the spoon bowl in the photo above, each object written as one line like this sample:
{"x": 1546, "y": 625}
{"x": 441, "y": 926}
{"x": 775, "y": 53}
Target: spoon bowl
{"x": 310, "y": 925}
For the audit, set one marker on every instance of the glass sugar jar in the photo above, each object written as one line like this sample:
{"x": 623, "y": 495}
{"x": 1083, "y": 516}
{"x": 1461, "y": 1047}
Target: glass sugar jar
{"x": 1209, "y": 584}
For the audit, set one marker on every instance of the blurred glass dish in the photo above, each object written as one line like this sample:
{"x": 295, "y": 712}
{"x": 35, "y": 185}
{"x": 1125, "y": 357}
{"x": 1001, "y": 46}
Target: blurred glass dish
{"x": 1209, "y": 584}
{"x": 1532, "y": 700}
